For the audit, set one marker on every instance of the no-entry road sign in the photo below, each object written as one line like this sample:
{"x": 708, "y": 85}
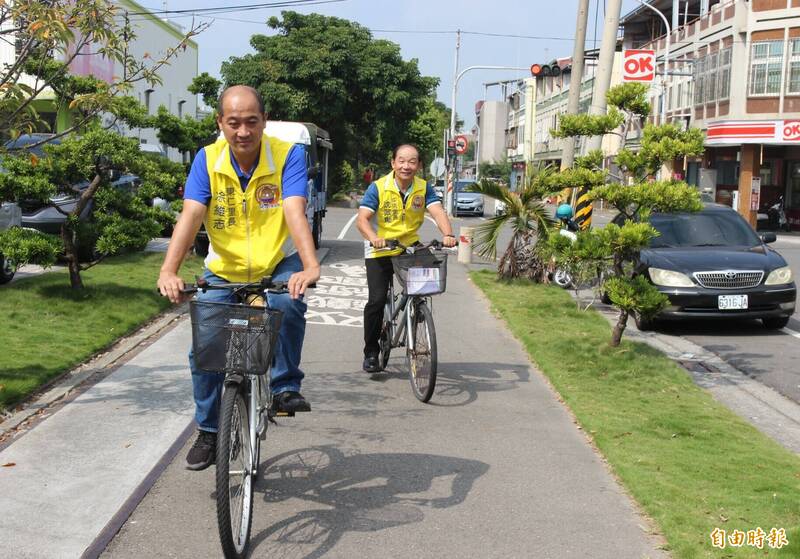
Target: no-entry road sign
{"x": 461, "y": 145}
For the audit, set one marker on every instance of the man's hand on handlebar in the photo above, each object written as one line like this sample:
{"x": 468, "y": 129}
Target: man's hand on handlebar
{"x": 378, "y": 242}
{"x": 170, "y": 286}
{"x": 300, "y": 281}
{"x": 449, "y": 241}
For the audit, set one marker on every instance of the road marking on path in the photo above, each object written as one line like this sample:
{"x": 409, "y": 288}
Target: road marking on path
{"x": 340, "y": 296}
{"x": 791, "y": 332}
{"x": 346, "y": 227}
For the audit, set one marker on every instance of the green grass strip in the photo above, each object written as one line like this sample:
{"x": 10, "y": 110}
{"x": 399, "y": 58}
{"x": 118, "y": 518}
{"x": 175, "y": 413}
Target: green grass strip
{"x": 692, "y": 464}
{"x": 49, "y": 328}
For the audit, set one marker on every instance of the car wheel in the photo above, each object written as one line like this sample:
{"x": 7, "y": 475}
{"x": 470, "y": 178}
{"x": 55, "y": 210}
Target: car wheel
{"x": 6, "y": 270}
{"x": 775, "y": 322}
{"x": 316, "y": 230}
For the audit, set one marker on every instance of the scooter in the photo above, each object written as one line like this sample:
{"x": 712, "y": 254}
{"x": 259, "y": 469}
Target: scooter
{"x": 569, "y": 228}
{"x": 773, "y": 217}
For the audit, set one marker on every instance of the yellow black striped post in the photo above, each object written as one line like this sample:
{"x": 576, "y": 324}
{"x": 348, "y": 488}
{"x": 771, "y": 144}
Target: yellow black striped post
{"x": 583, "y": 209}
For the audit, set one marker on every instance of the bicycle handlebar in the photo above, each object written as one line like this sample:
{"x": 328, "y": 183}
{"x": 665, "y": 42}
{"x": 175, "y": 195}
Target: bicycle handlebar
{"x": 266, "y": 284}
{"x": 434, "y": 244}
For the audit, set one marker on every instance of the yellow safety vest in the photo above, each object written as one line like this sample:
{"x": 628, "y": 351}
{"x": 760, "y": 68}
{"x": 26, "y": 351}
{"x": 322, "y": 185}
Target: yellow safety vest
{"x": 247, "y": 228}
{"x": 397, "y": 220}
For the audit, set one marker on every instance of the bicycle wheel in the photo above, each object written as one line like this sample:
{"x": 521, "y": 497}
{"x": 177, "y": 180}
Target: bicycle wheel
{"x": 421, "y": 352}
{"x": 384, "y": 341}
{"x": 234, "y": 477}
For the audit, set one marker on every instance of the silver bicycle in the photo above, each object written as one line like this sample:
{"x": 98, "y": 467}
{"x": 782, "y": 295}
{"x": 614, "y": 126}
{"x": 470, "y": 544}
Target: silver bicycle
{"x": 238, "y": 339}
{"x": 408, "y": 319}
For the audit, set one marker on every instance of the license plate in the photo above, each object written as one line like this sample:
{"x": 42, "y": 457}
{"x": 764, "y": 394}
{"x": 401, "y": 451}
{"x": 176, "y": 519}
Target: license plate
{"x": 732, "y": 302}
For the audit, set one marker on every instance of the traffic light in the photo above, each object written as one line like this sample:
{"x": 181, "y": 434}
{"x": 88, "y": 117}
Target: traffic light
{"x": 545, "y": 70}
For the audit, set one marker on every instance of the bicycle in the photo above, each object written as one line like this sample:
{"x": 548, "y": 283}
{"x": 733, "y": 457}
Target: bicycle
{"x": 238, "y": 339}
{"x": 422, "y": 272}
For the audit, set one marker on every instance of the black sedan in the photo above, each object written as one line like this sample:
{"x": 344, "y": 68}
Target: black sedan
{"x": 711, "y": 264}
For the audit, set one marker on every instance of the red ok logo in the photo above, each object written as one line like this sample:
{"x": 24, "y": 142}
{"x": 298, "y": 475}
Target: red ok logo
{"x": 639, "y": 66}
{"x": 791, "y": 130}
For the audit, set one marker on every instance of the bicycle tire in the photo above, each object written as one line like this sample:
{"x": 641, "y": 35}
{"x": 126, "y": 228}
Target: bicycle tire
{"x": 421, "y": 353}
{"x": 234, "y": 508}
{"x": 384, "y": 342}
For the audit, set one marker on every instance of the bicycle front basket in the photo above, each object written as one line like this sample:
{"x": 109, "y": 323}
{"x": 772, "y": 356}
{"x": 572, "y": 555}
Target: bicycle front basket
{"x": 421, "y": 273}
{"x": 233, "y": 338}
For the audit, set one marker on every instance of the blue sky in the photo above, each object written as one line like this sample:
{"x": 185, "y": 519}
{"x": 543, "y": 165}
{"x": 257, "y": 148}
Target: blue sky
{"x": 552, "y": 21}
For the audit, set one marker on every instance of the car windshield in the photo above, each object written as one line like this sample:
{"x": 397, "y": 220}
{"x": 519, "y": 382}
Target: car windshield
{"x": 708, "y": 228}
{"x": 464, "y": 186}
{"x": 25, "y": 140}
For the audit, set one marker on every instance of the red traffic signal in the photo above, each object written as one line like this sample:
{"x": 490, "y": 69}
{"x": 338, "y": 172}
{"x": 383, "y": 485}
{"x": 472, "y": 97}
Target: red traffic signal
{"x": 545, "y": 70}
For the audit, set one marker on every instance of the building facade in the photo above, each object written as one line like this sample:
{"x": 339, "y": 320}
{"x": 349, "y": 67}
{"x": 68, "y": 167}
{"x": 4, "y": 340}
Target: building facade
{"x": 552, "y": 96}
{"x": 491, "y": 122}
{"x": 734, "y": 72}
{"x": 519, "y": 129}
{"x": 153, "y": 38}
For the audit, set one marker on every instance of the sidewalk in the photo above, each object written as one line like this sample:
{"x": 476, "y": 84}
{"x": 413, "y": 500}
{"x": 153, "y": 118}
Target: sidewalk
{"x": 495, "y": 466}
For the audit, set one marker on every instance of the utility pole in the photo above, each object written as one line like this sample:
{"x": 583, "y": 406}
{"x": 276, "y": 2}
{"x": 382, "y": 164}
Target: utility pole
{"x": 605, "y": 66}
{"x": 449, "y": 192}
{"x": 576, "y": 77}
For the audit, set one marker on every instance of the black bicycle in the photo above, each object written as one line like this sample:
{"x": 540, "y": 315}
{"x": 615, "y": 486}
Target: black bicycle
{"x": 408, "y": 318}
{"x": 238, "y": 339}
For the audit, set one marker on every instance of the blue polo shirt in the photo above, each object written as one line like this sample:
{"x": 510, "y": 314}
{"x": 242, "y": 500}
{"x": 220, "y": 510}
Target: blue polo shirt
{"x": 370, "y": 199}
{"x": 293, "y": 182}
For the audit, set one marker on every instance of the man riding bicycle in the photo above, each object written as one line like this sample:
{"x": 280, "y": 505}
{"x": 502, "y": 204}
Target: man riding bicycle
{"x": 250, "y": 192}
{"x": 398, "y": 201}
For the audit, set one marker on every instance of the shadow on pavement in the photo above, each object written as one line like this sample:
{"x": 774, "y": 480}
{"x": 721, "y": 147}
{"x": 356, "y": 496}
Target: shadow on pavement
{"x": 459, "y": 384}
{"x": 357, "y": 493}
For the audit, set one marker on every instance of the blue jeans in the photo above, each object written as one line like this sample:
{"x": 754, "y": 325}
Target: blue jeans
{"x": 286, "y": 373}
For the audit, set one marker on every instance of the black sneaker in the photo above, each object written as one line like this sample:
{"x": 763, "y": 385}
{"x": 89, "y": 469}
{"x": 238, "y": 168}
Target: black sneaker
{"x": 203, "y": 452}
{"x": 371, "y": 364}
{"x": 289, "y": 402}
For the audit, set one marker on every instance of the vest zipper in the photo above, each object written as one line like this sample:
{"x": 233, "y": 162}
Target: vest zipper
{"x": 247, "y": 228}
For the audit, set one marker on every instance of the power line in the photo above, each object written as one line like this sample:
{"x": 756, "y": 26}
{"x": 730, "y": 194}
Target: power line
{"x": 237, "y": 8}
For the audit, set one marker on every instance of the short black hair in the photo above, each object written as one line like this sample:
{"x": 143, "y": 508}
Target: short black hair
{"x": 260, "y": 100}
{"x": 398, "y": 148}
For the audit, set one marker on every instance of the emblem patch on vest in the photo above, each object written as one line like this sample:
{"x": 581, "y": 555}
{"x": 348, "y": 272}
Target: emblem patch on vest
{"x": 418, "y": 202}
{"x": 266, "y": 195}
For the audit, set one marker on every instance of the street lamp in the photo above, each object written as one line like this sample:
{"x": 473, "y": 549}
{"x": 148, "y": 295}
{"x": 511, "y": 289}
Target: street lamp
{"x": 666, "y": 62}
{"x": 449, "y": 197}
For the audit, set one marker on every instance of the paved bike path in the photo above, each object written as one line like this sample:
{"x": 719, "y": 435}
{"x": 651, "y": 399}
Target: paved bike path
{"x": 493, "y": 467}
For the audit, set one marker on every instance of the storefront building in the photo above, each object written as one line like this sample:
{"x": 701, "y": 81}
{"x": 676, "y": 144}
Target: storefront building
{"x": 735, "y": 74}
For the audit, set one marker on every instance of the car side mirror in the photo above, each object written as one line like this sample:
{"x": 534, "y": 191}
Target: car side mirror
{"x": 769, "y": 237}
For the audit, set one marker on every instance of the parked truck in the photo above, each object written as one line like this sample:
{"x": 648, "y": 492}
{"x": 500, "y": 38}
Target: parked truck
{"x": 318, "y": 147}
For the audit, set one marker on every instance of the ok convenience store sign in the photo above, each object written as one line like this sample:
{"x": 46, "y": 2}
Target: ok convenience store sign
{"x": 639, "y": 65}
{"x": 738, "y": 132}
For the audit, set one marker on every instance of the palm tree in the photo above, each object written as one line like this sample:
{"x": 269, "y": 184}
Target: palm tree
{"x": 529, "y": 220}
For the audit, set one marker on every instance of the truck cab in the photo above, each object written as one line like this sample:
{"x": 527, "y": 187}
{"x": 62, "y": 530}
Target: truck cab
{"x": 318, "y": 146}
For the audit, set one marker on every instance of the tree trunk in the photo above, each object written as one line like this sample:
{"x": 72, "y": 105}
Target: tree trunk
{"x": 71, "y": 255}
{"x": 619, "y": 328}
